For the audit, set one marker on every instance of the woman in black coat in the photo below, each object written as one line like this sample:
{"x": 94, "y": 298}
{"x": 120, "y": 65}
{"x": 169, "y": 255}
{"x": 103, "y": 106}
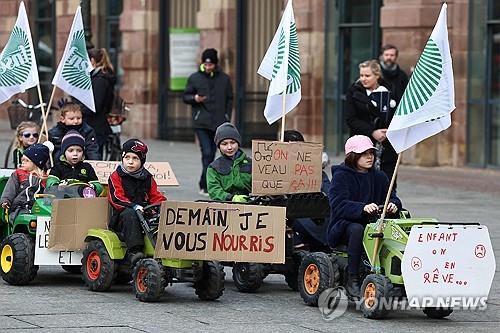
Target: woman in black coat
{"x": 356, "y": 191}
{"x": 103, "y": 86}
{"x": 369, "y": 111}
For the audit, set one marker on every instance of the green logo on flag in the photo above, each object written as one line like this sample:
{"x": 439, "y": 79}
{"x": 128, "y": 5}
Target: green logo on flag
{"x": 424, "y": 80}
{"x": 76, "y": 65}
{"x": 293, "y": 77}
{"x": 15, "y": 64}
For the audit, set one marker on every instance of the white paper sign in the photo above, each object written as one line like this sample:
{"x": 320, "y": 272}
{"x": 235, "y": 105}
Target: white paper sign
{"x": 6, "y": 172}
{"x": 446, "y": 262}
{"x": 42, "y": 254}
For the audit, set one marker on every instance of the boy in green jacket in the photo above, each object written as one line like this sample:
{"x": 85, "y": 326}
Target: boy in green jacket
{"x": 229, "y": 178}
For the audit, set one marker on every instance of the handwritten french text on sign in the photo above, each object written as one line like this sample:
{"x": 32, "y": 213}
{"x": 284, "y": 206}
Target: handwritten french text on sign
{"x": 161, "y": 171}
{"x": 44, "y": 256}
{"x": 225, "y": 232}
{"x": 448, "y": 261}
{"x": 285, "y": 167}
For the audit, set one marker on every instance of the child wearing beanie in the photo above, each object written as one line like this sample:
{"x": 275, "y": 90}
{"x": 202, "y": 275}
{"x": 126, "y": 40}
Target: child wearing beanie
{"x": 70, "y": 166}
{"x": 131, "y": 187}
{"x": 26, "y": 181}
{"x": 229, "y": 178}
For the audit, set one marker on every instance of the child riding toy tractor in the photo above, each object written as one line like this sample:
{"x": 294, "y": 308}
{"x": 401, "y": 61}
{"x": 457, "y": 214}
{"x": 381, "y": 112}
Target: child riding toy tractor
{"x": 104, "y": 262}
{"x": 382, "y": 279}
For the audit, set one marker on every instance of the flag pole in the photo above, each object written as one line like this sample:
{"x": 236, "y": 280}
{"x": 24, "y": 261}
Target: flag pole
{"x": 283, "y": 109}
{"x": 45, "y": 115}
{"x": 382, "y": 217}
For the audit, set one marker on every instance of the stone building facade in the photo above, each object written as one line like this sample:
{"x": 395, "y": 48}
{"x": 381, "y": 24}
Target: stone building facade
{"x": 144, "y": 25}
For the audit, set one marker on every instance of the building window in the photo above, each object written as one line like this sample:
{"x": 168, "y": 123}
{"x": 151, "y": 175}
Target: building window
{"x": 352, "y": 36}
{"x": 483, "y": 105}
{"x": 44, "y": 44}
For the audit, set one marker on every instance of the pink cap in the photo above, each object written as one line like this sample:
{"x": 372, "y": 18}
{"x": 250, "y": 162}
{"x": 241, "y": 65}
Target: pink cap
{"x": 358, "y": 144}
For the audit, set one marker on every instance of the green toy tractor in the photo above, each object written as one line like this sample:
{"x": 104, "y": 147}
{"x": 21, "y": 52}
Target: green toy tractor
{"x": 382, "y": 279}
{"x": 17, "y": 247}
{"x": 104, "y": 263}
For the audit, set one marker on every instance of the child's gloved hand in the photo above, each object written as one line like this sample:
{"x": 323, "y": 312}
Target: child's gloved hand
{"x": 5, "y": 205}
{"x": 138, "y": 207}
{"x": 240, "y": 198}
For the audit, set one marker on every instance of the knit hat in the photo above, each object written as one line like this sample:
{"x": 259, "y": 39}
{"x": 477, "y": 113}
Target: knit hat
{"x": 137, "y": 147}
{"x": 38, "y": 154}
{"x": 227, "y": 131}
{"x": 209, "y": 55}
{"x": 358, "y": 144}
{"x": 72, "y": 138}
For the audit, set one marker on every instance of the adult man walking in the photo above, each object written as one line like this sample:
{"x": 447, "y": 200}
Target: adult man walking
{"x": 210, "y": 94}
{"x": 393, "y": 75}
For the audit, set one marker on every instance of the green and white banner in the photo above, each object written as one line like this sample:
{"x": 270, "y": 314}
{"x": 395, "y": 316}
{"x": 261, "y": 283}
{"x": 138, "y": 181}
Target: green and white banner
{"x": 18, "y": 70}
{"x": 281, "y": 65}
{"x": 429, "y": 97}
{"x": 73, "y": 72}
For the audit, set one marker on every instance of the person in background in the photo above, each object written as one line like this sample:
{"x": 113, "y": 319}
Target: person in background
{"x": 27, "y": 133}
{"x": 396, "y": 78}
{"x": 70, "y": 118}
{"x": 210, "y": 94}
{"x": 103, "y": 86}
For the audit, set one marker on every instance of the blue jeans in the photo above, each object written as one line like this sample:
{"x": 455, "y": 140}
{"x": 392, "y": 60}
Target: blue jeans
{"x": 208, "y": 150}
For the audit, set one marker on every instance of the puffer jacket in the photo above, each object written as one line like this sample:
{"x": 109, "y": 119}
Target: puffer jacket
{"x": 91, "y": 149}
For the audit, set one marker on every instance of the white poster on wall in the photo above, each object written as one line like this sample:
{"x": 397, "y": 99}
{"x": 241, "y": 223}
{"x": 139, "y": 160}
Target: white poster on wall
{"x": 184, "y": 48}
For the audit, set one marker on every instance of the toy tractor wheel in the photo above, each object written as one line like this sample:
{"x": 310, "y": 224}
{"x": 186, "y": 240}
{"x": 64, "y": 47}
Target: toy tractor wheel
{"x": 292, "y": 277}
{"x": 17, "y": 259}
{"x": 73, "y": 269}
{"x": 375, "y": 291}
{"x": 317, "y": 272}
{"x": 437, "y": 313}
{"x": 248, "y": 276}
{"x": 211, "y": 285}
{"x": 149, "y": 280}
{"x": 98, "y": 268}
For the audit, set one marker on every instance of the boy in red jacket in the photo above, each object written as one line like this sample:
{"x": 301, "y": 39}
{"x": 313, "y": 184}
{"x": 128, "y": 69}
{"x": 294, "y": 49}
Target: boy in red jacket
{"x": 131, "y": 187}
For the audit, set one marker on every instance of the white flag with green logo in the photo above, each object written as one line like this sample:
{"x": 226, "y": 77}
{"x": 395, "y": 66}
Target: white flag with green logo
{"x": 73, "y": 72}
{"x": 429, "y": 98}
{"x": 18, "y": 70}
{"x": 281, "y": 65}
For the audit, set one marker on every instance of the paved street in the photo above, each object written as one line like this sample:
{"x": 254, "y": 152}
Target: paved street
{"x": 58, "y": 302}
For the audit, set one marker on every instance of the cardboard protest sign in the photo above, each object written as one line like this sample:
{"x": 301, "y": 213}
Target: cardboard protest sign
{"x": 225, "y": 232}
{"x": 448, "y": 261}
{"x": 161, "y": 171}
{"x": 45, "y": 257}
{"x": 72, "y": 218}
{"x": 285, "y": 167}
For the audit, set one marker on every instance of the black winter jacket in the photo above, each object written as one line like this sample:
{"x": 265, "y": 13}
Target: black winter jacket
{"x": 103, "y": 87}
{"x": 57, "y": 132}
{"x": 217, "y": 108}
{"x": 82, "y": 171}
{"x": 363, "y": 118}
{"x": 396, "y": 80}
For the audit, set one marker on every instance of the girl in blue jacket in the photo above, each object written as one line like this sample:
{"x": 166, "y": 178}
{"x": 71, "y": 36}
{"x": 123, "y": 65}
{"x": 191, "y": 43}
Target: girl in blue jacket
{"x": 355, "y": 193}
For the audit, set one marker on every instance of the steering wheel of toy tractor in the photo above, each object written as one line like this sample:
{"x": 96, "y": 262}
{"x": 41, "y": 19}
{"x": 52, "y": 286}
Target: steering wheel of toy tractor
{"x": 85, "y": 190}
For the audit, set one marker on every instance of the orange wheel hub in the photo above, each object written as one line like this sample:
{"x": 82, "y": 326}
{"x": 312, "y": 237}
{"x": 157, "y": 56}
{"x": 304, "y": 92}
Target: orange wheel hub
{"x": 140, "y": 281}
{"x": 311, "y": 279}
{"x": 369, "y": 295}
{"x": 93, "y": 265}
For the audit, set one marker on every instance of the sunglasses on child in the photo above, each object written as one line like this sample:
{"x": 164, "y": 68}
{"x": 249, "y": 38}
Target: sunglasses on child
{"x": 27, "y": 135}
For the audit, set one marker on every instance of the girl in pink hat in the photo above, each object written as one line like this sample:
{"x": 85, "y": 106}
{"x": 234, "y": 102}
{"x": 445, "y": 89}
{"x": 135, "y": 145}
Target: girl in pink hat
{"x": 356, "y": 191}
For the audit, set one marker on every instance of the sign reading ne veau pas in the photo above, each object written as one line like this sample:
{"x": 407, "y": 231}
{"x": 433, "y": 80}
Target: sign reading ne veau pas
{"x": 161, "y": 171}
{"x": 44, "y": 256}
{"x": 225, "y": 232}
{"x": 448, "y": 261}
{"x": 285, "y": 167}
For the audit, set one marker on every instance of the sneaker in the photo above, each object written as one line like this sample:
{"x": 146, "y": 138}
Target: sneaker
{"x": 353, "y": 287}
{"x": 133, "y": 258}
{"x": 203, "y": 192}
